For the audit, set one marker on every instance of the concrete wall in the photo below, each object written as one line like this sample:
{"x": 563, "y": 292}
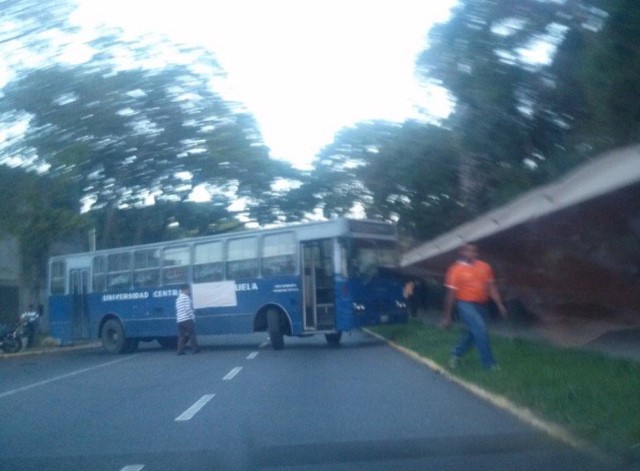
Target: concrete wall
{"x": 10, "y": 280}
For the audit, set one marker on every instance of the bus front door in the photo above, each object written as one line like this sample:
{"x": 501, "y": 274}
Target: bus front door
{"x": 79, "y": 288}
{"x": 318, "y": 285}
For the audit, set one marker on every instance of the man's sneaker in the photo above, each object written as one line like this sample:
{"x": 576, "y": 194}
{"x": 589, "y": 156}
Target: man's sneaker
{"x": 454, "y": 361}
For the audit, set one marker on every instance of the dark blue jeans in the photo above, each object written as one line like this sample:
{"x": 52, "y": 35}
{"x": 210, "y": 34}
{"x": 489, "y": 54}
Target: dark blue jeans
{"x": 473, "y": 317}
{"x": 186, "y": 332}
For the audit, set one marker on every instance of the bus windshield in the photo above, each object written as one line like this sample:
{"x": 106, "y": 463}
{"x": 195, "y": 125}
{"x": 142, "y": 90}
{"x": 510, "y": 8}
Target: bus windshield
{"x": 366, "y": 256}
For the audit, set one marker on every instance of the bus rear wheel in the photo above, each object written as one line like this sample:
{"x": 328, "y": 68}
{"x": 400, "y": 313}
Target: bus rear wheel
{"x": 274, "y": 327}
{"x": 113, "y": 338}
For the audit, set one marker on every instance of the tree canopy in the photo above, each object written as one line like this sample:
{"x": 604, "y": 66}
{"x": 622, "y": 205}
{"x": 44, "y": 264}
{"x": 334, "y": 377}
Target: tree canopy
{"x": 139, "y": 123}
{"x": 132, "y": 139}
{"x": 537, "y": 87}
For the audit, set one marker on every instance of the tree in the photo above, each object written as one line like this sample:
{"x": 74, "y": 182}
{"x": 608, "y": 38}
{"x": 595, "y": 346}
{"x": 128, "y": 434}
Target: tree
{"x": 515, "y": 118}
{"x": 413, "y": 180}
{"x": 126, "y": 134}
{"x": 335, "y": 187}
{"x": 515, "y": 123}
{"x": 131, "y": 136}
{"x": 30, "y": 20}
{"x": 604, "y": 64}
{"x": 397, "y": 172}
{"x": 165, "y": 220}
{"x": 39, "y": 211}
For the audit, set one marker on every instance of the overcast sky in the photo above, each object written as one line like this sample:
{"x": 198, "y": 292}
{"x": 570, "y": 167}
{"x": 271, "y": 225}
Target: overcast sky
{"x": 304, "y": 69}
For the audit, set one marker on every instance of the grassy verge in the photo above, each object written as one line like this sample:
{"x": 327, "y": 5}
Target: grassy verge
{"x": 595, "y": 397}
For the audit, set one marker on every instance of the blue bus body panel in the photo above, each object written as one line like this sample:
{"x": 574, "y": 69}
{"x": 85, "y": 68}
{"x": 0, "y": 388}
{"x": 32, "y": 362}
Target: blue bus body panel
{"x": 60, "y": 317}
{"x": 150, "y": 313}
{"x": 378, "y": 299}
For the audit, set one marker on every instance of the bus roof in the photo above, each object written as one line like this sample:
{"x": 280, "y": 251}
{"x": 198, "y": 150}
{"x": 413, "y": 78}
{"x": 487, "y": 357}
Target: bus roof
{"x": 304, "y": 231}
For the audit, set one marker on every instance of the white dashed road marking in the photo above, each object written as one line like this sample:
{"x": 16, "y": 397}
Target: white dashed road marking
{"x": 68, "y": 375}
{"x": 252, "y": 355}
{"x": 264, "y": 344}
{"x": 133, "y": 467}
{"x": 232, "y": 373}
{"x": 193, "y": 410}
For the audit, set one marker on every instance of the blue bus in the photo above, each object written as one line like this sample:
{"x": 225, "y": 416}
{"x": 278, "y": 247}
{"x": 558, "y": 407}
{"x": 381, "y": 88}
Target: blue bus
{"x": 312, "y": 278}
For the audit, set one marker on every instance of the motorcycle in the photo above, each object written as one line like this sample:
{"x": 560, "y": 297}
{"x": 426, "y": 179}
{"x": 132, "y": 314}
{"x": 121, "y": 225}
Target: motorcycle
{"x": 10, "y": 340}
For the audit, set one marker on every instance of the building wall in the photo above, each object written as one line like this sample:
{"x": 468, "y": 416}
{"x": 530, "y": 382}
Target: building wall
{"x": 10, "y": 280}
{"x": 15, "y": 294}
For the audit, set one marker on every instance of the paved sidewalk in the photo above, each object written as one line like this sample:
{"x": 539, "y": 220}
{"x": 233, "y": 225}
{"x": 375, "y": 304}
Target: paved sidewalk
{"x": 50, "y": 350}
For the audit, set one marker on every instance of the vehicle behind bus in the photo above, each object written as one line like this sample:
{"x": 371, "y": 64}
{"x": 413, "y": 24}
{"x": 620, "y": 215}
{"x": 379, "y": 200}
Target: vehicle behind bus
{"x": 316, "y": 278}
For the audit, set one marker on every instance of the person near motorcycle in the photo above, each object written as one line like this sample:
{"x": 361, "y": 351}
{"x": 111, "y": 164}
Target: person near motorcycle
{"x": 29, "y": 322}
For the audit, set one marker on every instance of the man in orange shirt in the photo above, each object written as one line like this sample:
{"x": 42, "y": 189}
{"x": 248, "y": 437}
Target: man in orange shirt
{"x": 470, "y": 284}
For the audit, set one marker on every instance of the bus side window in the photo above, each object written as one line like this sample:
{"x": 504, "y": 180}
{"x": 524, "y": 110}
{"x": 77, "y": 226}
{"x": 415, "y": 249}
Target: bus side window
{"x": 99, "y": 274}
{"x": 207, "y": 272}
{"x": 279, "y": 254}
{"x": 58, "y": 270}
{"x": 175, "y": 265}
{"x": 280, "y": 265}
{"x": 242, "y": 258}
{"x": 146, "y": 266}
{"x": 119, "y": 275}
{"x": 208, "y": 262}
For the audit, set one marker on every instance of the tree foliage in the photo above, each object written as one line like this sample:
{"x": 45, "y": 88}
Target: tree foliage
{"x": 136, "y": 133}
{"x": 163, "y": 221}
{"x": 126, "y": 135}
{"x": 123, "y": 135}
{"x": 519, "y": 119}
{"x": 39, "y": 211}
{"x": 397, "y": 172}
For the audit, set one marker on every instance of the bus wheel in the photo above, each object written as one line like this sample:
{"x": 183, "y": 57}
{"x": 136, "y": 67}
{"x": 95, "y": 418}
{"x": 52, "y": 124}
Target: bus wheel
{"x": 334, "y": 338}
{"x": 113, "y": 339}
{"x": 275, "y": 329}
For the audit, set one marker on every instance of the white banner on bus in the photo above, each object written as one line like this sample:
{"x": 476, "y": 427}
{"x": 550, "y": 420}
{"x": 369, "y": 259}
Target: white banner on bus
{"x": 216, "y": 294}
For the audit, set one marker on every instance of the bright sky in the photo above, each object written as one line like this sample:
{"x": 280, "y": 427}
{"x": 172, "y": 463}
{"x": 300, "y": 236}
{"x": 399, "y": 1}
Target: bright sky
{"x": 304, "y": 69}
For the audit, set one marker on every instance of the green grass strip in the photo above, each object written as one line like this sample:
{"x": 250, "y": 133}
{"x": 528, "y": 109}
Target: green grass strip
{"x": 594, "y": 396}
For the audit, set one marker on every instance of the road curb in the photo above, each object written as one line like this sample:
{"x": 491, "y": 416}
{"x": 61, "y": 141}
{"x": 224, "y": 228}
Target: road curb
{"x": 51, "y": 350}
{"x": 522, "y": 413}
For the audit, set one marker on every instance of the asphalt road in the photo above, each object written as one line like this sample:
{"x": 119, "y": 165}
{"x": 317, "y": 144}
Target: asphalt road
{"x": 240, "y": 405}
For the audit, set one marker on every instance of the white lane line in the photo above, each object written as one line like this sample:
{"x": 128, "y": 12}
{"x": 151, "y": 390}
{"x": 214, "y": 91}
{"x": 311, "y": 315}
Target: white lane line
{"x": 264, "y": 344}
{"x": 252, "y": 355}
{"x": 232, "y": 373}
{"x": 193, "y": 410}
{"x": 64, "y": 376}
{"x": 133, "y": 467}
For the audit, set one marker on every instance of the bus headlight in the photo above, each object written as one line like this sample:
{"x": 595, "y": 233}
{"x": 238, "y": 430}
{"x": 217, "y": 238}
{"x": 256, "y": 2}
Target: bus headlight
{"x": 358, "y": 308}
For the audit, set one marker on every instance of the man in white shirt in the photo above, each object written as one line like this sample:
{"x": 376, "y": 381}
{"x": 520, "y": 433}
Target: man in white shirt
{"x": 29, "y": 321}
{"x": 185, "y": 317}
